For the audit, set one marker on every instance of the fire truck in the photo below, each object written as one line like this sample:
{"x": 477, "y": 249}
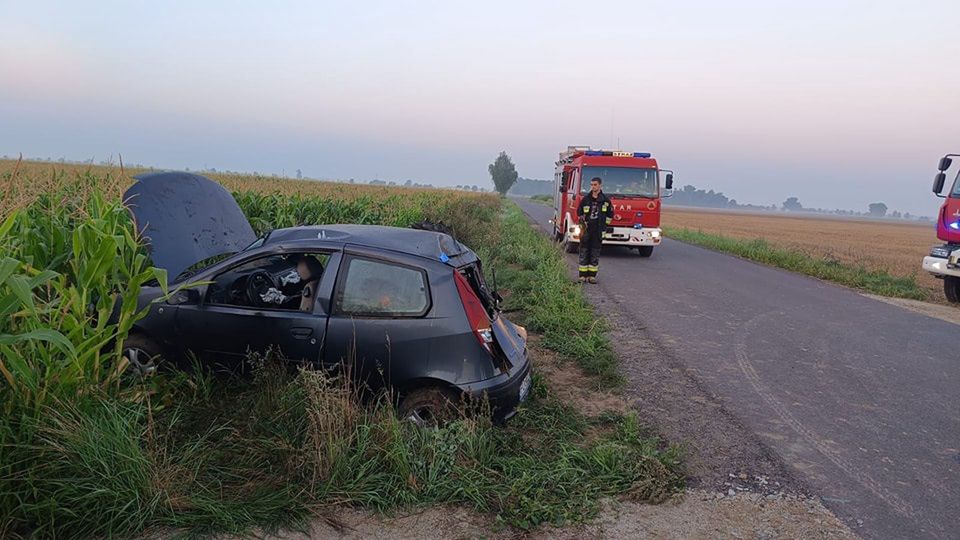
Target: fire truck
{"x": 632, "y": 182}
{"x": 944, "y": 261}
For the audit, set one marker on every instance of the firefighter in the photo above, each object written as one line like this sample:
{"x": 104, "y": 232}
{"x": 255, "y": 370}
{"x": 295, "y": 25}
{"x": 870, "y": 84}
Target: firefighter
{"x": 594, "y": 213}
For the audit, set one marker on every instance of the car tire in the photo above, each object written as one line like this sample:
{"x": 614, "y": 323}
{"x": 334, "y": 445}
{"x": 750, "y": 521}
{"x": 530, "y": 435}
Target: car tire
{"x": 144, "y": 356}
{"x": 429, "y": 407}
{"x": 571, "y": 247}
{"x": 645, "y": 251}
{"x": 951, "y": 288}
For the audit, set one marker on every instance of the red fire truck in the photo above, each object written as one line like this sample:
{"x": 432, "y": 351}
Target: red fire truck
{"x": 632, "y": 182}
{"x": 944, "y": 261}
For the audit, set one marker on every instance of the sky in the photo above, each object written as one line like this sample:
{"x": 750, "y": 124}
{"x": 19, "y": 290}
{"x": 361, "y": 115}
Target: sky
{"x": 839, "y": 103}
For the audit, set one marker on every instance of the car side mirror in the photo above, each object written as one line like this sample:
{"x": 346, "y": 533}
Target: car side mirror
{"x": 669, "y": 182}
{"x": 944, "y": 163}
{"x": 939, "y": 180}
{"x": 184, "y": 297}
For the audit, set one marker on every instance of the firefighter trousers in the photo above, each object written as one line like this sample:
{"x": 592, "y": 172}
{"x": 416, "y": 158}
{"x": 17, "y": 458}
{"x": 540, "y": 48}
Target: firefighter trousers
{"x": 589, "y": 258}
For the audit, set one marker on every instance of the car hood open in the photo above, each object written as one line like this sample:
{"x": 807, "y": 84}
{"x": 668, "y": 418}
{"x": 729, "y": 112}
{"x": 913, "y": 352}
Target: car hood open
{"x": 185, "y": 219}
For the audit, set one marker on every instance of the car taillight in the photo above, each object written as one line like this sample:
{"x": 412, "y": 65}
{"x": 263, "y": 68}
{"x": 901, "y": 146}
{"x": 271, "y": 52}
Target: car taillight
{"x": 476, "y": 314}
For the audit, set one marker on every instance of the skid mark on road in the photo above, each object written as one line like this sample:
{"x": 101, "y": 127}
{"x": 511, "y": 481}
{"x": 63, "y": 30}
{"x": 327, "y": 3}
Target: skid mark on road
{"x": 743, "y": 360}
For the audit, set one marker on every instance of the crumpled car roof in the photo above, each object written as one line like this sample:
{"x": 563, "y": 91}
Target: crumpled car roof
{"x": 185, "y": 219}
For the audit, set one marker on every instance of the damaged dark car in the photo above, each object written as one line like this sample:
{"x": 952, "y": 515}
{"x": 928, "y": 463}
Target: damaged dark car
{"x": 403, "y": 310}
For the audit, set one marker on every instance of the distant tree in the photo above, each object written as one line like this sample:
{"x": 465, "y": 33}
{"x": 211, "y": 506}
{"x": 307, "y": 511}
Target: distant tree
{"x": 878, "y": 209}
{"x": 299, "y": 174}
{"x": 474, "y": 188}
{"x": 908, "y": 215}
{"x": 408, "y": 183}
{"x": 896, "y": 214}
{"x": 792, "y": 204}
{"x": 503, "y": 173}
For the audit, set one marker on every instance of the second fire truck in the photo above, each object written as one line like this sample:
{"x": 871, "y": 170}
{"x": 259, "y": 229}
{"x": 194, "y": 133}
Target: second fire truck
{"x": 632, "y": 182}
{"x": 944, "y": 260}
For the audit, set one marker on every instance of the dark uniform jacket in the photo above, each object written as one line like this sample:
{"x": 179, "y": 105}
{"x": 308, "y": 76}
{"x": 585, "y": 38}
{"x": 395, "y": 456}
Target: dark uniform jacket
{"x": 594, "y": 215}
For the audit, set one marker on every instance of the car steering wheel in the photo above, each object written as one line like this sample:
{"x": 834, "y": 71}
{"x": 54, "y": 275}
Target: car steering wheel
{"x": 259, "y": 283}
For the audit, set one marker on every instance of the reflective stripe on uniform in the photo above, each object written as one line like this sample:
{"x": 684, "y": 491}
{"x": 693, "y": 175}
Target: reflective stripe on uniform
{"x": 609, "y": 221}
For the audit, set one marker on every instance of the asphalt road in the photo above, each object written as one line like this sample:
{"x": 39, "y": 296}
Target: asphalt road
{"x": 860, "y": 399}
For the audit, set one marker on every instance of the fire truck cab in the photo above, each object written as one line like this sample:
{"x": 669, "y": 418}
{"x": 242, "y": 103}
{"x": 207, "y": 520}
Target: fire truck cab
{"x": 632, "y": 182}
{"x": 944, "y": 260}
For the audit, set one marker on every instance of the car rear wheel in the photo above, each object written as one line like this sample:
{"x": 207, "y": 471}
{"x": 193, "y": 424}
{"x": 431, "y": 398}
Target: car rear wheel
{"x": 951, "y": 288}
{"x": 143, "y": 356}
{"x": 429, "y": 407}
{"x": 645, "y": 251}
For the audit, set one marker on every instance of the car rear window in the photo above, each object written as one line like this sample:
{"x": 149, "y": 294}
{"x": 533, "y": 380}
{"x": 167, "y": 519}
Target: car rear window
{"x": 379, "y": 288}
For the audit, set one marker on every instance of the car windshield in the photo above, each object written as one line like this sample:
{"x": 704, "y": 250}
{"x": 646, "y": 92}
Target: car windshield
{"x": 955, "y": 193}
{"x": 623, "y": 181}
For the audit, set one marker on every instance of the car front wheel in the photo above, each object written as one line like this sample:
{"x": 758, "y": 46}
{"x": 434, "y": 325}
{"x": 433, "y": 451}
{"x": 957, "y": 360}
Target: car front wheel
{"x": 143, "y": 356}
{"x": 951, "y": 288}
{"x": 429, "y": 407}
{"x": 645, "y": 251}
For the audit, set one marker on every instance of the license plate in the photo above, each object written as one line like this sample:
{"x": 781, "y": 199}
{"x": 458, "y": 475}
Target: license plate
{"x": 525, "y": 387}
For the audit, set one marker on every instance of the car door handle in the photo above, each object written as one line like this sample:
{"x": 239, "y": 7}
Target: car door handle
{"x": 301, "y": 332}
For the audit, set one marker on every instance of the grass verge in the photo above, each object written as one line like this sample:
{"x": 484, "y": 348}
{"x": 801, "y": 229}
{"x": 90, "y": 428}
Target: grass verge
{"x": 543, "y": 199}
{"x": 543, "y": 296}
{"x": 858, "y": 277}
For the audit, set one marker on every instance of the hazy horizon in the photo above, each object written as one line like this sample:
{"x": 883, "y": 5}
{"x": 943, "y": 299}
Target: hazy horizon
{"x": 838, "y": 103}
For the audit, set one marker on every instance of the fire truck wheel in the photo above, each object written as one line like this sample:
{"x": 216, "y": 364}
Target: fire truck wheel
{"x": 571, "y": 247}
{"x": 645, "y": 251}
{"x": 951, "y": 288}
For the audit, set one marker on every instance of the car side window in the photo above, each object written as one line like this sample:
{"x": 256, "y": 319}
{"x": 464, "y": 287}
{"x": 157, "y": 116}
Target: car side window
{"x": 280, "y": 281}
{"x": 381, "y": 289}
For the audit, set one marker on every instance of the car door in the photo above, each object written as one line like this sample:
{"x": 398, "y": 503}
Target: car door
{"x": 224, "y": 334}
{"x": 381, "y": 321}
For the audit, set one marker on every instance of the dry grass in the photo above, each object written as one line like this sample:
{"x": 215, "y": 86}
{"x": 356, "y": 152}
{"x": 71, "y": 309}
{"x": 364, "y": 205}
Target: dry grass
{"x": 897, "y": 248}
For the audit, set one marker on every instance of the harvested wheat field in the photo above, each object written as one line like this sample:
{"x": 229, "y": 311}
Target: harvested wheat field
{"x": 896, "y": 247}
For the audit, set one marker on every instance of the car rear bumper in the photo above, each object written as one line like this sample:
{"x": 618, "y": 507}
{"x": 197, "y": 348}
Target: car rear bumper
{"x": 939, "y": 267}
{"x": 505, "y": 392}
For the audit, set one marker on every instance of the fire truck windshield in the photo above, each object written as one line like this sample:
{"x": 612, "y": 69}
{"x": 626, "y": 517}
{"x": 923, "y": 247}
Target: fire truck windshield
{"x": 622, "y": 181}
{"x": 956, "y": 187}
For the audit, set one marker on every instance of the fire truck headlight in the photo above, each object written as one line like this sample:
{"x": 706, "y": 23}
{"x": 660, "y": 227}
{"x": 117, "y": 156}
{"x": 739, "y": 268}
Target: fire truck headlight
{"x": 654, "y": 234}
{"x": 575, "y": 230}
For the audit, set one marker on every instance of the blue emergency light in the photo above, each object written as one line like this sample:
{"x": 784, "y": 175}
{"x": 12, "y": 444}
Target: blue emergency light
{"x": 955, "y": 225}
{"x": 619, "y": 154}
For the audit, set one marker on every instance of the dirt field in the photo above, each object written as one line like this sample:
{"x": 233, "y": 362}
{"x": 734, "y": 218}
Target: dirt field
{"x": 897, "y": 247}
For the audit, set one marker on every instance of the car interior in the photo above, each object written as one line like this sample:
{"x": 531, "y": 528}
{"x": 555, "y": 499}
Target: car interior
{"x": 282, "y": 281}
